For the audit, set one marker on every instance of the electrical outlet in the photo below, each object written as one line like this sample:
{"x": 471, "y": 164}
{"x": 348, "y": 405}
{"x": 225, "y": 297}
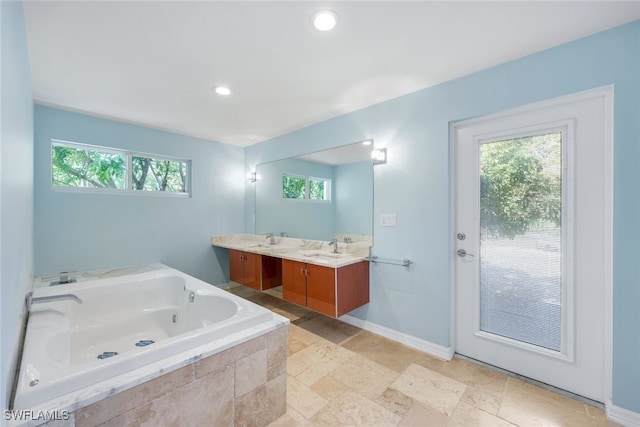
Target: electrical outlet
{"x": 388, "y": 220}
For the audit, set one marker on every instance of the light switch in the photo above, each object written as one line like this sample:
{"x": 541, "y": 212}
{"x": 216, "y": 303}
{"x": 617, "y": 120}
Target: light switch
{"x": 388, "y": 220}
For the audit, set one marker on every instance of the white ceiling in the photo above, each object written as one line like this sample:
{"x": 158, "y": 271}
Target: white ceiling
{"x": 154, "y": 62}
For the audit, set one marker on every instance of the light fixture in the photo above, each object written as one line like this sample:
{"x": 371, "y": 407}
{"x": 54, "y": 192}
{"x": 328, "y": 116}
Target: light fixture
{"x": 379, "y": 156}
{"x": 252, "y": 177}
{"x": 324, "y": 20}
{"x": 367, "y": 142}
{"x": 222, "y": 90}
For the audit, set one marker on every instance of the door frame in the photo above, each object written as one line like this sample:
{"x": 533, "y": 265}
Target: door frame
{"x": 606, "y": 93}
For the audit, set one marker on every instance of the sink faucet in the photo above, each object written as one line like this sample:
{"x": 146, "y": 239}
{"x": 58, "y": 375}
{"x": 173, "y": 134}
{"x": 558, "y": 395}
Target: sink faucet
{"x": 334, "y": 243}
{"x": 272, "y": 240}
{"x": 31, "y": 300}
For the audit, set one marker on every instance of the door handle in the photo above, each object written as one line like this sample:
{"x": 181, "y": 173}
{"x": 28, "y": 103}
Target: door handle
{"x": 462, "y": 253}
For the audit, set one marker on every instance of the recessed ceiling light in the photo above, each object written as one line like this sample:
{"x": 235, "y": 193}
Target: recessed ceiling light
{"x": 324, "y": 20}
{"x": 367, "y": 142}
{"x": 222, "y": 90}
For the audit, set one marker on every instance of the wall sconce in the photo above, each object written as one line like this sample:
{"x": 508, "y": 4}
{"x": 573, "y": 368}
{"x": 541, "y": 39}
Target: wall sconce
{"x": 252, "y": 177}
{"x": 379, "y": 156}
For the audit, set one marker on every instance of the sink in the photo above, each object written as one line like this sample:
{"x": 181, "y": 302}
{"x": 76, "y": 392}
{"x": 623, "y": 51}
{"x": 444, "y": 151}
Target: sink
{"x": 325, "y": 255}
{"x": 260, "y": 245}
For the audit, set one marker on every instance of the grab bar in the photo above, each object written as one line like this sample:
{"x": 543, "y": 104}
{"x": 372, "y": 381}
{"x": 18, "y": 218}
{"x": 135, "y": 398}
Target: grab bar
{"x": 402, "y": 262}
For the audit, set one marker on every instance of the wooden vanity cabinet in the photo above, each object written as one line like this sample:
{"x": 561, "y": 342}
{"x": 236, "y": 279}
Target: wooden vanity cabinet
{"x": 244, "y": 268}
{"x": 294, "y": 282}
{"x": 321, "y": 289}
{"x": 327, "y": 290}
{"x": 257, "y": 271}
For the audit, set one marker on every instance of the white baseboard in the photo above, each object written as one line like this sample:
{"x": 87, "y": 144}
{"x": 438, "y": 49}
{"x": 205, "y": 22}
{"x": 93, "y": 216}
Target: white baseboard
{"x": 622, "y": 416}
{"x": 436, "y": 350}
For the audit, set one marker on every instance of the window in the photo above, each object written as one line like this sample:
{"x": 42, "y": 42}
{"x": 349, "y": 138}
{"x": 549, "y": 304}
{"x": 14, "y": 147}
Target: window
{"x": 104, "y": 169}
{"x": 319, "y": 188}
{"x": 293, "y": 187}
{"x": 303, "y": 187}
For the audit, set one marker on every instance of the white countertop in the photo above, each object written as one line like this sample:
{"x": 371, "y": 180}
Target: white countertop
{"x": 309, "y": 251}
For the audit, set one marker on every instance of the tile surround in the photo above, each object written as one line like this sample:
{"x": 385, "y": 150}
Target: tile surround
{"x": 339, "y": 375}
{"x": 245, "y": 385}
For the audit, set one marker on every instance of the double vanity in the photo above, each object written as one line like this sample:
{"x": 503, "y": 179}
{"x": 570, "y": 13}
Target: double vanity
{"x": 332, "y": 279}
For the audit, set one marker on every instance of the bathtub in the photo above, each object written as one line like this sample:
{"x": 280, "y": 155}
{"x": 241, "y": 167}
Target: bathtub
{"x": 125, "y": 323}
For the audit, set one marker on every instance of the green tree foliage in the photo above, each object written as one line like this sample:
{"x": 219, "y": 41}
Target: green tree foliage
{"x": 158, "y": 175}
{"x": 77, "y": 167}
{"x": 317, "y": 189}
{"x": 87, "y": 168}
{"x": 293, "y": 187}
{"x": 520, "y": 184}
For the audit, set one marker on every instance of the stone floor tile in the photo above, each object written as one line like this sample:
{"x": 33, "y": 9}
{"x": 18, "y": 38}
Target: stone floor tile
{"x": 535, "y": 409}
{"x": 387, "y": 352}
{"x": 303, "y": 335}
{"x": 292, "y": 418}
{"x": 337, "y": 376}
{"x": 329, "y": 388}
{"x": 294, "y": 345}
{"x": 471, "y": 373}
{"x": 319, "y": 353}
{"x": 330, "y": 329}
{"x": 395, "y": 401}
{"x": 481, "y": 399}
{"x": 521, "y": 389}
{"x": 421, "y": 415}
{"x": 242, "y": 291}
{"x": 365, "y": 376}
{"x": 430, "y": 362}
{"x": 438, "y": 391}
{"x": 318, "y": 360}
{"x": 466, "y": 415}
{"x": 304, "y": 400}
{"x": 353, "y": 409}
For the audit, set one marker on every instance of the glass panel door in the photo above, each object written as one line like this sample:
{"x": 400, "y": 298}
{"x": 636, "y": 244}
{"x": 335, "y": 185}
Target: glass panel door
{"x": 521, "y": 239}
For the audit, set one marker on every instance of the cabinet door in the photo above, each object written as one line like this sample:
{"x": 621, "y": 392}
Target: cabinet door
{"x": 294, "y": 282}
{"x": 321, "y": 289}
{"x": 252, "y": 270}
{"x": 353, "y": 287}
{"x": 236, "y": 268}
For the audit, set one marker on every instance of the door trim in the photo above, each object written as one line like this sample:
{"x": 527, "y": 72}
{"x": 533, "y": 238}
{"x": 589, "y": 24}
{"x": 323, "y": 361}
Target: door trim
{"x": 606, "y": 93}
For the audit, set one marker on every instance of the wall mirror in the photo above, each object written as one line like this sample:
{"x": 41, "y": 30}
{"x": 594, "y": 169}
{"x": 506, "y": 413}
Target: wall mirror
{"x": 318, "y": 196}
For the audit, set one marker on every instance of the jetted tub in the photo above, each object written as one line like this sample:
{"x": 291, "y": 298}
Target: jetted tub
{"x": 123, "y": 323}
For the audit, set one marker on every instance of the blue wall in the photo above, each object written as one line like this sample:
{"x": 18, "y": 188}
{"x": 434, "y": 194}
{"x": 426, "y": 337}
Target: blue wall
{"x": 414, "y": 182}
{"x": 353, "y": 197}
{"x": 81, "y": 231}
{"x": 16, "y": 187}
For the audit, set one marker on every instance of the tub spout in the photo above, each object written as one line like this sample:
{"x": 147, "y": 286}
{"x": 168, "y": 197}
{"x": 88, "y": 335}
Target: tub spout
{"x": 31, "y": 300}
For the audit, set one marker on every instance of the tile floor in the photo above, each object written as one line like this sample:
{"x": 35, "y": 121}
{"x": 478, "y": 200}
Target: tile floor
{"x": 340, "y": 375}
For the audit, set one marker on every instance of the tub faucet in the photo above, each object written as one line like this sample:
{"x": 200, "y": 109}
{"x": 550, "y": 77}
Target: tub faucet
{"x": 334, "y": 243}
{"x": 64, "y": 279}
{"x": 31, "y": 300}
